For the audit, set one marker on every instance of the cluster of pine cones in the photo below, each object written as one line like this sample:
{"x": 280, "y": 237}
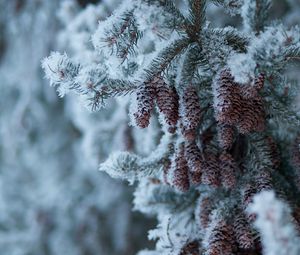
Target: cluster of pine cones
{"x": 237, "y": 105}
{"x": 224, "y": 236}
{"x": 184, "y": 108}
{"x": 239, "y": 110}
{"x": 191, "y": 166}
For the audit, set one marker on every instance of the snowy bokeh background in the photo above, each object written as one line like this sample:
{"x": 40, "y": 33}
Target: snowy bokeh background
{"x": 52, "y": 198}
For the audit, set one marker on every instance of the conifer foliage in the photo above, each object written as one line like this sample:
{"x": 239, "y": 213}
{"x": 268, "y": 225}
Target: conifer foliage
{"x": 221, "y": 99}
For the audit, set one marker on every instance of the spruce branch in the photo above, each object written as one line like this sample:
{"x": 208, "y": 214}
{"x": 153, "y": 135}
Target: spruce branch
{"x": 196, "y": 18}
{"x": 132, "y": 167}
{"x": 120, "y": 36}
{"x": 237, "y": 40}
{"x": 151, "y": 197}
{"x": 92, "y": 83}
{"x": 110, "y": 88}
{"x": 179, "y": 22}
{"x": 230, "y": 6}
{"x": 280, "y": 114}
{"x": 61, "y": 72}
{"x": 164, "y": 58}
{"x": 210, "y": 91}
{"x": 292, "y": 53}
{"x": 255, "y": 14}
{"x": 191, "y": 59}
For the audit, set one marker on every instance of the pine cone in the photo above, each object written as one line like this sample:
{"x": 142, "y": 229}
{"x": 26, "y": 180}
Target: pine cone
{"x": 190, "y": 112}
{"x": 242, "y": 231}
{"x": 194, "y": 160}
{"x": 232, "y": 108}
{"x": 249, "y": 91}
{"x": 263, "y": 180}
{"x": 192, "y": 248}
{"x": 211, "y": 170}
{"x": 253, "y": 116}
{"x": 145, "y": 102}
{"x": 225, "y": 136}
{"x": 228, "y": 169}
{"x": 248, "y": 193}
{"x": 180, "y": 170}
{"x": 221, "y": 239}
{"x": 227, "y": 100}
{"x": 167, "y": 102}
{"x": 205, "y": 208}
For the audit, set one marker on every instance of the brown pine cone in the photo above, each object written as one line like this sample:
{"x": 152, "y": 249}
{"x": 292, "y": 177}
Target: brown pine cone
{"x": 251, "y": 91}
{"x": 242, "y": 231}
{"x": 190, "y": 112}
{"x": 193, "y": 156}
{"x": 145, "y": 96}
{"x": 203, "y": 212}
{"x": 248, "y": 91}
{"x": 195, "y": 162}
{"x": 263, "y": 180}
{"x": 167, "y": 102}
{"x": 191, "y": 248}
{"x": 253, "y": 116}
{"x": 225, "y": 136}
{"x": 221, "y": 239}
{"x": 238, "y": 105}
{"x": 180, "y": 170}
{"x": 228, "y": 168}
{"x": 248, "y": 193}
{"x": 211, "y": 170}
{"x": 227, "y": 99}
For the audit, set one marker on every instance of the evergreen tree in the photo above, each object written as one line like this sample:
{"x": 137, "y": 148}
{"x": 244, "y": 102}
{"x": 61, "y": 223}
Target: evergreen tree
{"x": 218, "y": 103}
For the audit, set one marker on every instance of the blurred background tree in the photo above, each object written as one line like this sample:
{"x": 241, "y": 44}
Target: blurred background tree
{"x": 52, "y": 199}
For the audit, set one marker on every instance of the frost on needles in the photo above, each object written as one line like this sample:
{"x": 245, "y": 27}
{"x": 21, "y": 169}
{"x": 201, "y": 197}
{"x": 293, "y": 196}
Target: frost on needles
{"x": 219, "y": 104}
